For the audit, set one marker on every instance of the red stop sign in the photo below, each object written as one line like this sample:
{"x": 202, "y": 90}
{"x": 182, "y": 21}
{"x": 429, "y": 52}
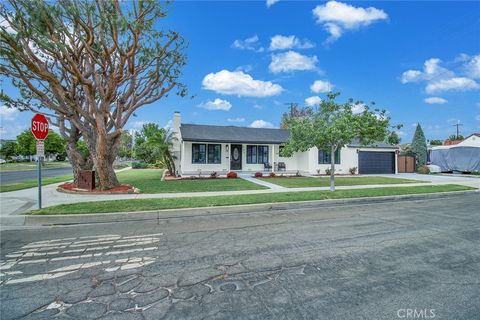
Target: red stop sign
{"x": 40, "y": 126}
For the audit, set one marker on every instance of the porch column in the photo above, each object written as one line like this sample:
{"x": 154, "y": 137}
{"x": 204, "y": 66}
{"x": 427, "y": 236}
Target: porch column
{"x": 272, "y": 159}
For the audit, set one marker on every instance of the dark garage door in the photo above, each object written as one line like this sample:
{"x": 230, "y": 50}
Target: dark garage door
{"x": 370, "y": 162}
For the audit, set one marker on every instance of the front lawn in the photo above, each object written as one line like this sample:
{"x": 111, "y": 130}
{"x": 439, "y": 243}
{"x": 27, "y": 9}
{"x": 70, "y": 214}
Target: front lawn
{"x": 148, "y": 181}
{"x": 195, "y": 202}
{"x": 300, "y": 182}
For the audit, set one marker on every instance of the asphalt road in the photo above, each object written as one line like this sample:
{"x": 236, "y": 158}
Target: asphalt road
{"x": 19, "y": 176}
{"x": 378, "y": 261}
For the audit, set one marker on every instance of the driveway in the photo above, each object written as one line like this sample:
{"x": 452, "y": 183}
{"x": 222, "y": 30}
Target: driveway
{"x": 19, "y": 176}
{"x": 351, "y": 262}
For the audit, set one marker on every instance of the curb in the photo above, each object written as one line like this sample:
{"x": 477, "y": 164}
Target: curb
{"x": 52, "y": 220}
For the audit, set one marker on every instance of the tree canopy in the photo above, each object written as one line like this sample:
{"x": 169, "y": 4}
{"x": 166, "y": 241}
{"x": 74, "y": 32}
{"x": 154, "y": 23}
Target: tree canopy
{"x": 333, "y": 126}
{"x": 93, "y": 64}
{"x": 26, "y": 143}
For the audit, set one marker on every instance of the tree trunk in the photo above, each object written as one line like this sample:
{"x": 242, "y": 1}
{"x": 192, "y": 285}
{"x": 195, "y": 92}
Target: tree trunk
{"x": 105, "y": 150}
{"x": 332, "y": 168}
{"x": 171, "y": 166}
{"x": 78, "y": 161}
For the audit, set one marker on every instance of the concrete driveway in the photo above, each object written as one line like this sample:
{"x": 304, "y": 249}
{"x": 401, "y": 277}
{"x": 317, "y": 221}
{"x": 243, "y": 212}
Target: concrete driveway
{"x": 380, "y": 261}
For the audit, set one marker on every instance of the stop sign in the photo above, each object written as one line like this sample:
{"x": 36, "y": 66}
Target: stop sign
{"x": 40, "y": 126}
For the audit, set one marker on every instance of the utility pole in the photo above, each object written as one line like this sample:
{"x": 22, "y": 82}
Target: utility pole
{"x": 457, "y": 125}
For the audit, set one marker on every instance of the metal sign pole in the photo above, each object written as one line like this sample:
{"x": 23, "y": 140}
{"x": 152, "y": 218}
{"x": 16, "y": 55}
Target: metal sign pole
{"x": 39, "y": 166}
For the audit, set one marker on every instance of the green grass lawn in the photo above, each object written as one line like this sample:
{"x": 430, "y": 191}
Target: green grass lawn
{"x": 193, "y": 202}
{"x": 27, "y": 166}
{"x": 148, "y": 181}
{"x": 300, "y": 182}
{"x": 33, "y": 183}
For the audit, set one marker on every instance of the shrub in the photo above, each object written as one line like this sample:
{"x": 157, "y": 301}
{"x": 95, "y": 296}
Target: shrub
{"x": 423, "y": 170}
{"x": 258, "y": 174}
{"x": 139, "y": 165}
{"x": 353, "y": 170}
{"x": 214, "y": 175}
{"x": 297, "y": 174}
{"x": 318, "y": 171}
{"x": 272, "y": 174}
{"x": 231, "y": 175}
{"x": 328, "y": 171}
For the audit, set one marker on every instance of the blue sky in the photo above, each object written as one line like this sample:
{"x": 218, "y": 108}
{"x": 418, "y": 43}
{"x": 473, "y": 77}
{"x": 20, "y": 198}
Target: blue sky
{"x": 246, "y": 60}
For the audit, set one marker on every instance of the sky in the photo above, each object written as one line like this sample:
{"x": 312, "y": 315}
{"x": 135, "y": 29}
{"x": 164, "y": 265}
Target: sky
{"x": 248, "y": 60}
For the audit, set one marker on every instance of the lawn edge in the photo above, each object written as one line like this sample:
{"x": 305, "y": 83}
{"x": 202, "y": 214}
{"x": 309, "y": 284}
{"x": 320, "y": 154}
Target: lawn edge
{"x": 82, "y": 218}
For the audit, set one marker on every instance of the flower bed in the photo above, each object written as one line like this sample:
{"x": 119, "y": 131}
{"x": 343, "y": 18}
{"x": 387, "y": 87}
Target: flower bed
{"x": 69, "y": 187}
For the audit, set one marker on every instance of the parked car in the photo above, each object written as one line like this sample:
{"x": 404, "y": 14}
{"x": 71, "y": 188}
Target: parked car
{"x": 2, "y": 161}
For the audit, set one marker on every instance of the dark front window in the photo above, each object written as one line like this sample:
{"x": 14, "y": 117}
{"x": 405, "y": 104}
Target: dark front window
{"x": 324, "y": 157}
{"x": 251, "y": 154}
{"x": 214, "y": 153}
{"x": 262, "y": 154}
{"x": 199, "y": 153}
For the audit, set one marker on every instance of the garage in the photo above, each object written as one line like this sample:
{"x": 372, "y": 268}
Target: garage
{"x": 372, "y": 162}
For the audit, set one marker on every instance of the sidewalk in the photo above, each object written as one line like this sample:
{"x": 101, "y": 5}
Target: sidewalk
{"x": 18, "y": 202}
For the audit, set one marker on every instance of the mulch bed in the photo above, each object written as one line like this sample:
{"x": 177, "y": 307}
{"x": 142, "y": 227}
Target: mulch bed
{"x": 69, "y": 187}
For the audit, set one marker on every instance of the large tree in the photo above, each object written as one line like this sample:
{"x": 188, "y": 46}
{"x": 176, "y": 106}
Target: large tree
{"x": 8, "y": 149}
{"x": 93, "y": 63}
{"x": 332, "y": 126}
{"x": 419, "y": 145}
{"x": 294, "y": 111}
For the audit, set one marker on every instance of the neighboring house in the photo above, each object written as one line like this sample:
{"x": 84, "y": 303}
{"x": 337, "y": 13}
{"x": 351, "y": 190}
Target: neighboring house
{"x": 207, "y": 148}
{"x": 463, "y": 156}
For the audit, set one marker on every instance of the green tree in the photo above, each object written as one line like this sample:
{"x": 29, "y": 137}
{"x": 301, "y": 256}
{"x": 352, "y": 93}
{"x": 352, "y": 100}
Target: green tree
{"x": 9, "y": 149}
{"x": 454, "y": 137}
{"x": 27, "y": 145}
{"x": 294, "y": 112}
{"x": 152, "y": 145}
{"x": 126, "y": 145}
{"x": 333, "y": 126}
{"x": 436, "y": 142}
{"x": 393, "y": 138}
{"x": 93, "y": 64}
{"x": 419, "y": 146}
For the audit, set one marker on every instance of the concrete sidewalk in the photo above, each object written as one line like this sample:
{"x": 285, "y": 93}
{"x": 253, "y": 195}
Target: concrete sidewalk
{"x": 18, "y": 202}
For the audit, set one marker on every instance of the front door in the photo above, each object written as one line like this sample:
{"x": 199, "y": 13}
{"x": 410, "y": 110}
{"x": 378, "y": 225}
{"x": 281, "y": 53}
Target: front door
{"x": 236, "y": 157}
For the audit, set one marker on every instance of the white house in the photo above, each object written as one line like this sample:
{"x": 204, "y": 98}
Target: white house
{"x": 207, "y": 148}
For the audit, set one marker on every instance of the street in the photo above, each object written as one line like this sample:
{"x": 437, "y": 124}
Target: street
{"x": 370, "y": 261}
{"x": 19, "y": 176}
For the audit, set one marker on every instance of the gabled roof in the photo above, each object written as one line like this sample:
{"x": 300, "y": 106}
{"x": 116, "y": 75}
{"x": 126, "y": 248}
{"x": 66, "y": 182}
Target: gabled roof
{"x": 232, "y": 134}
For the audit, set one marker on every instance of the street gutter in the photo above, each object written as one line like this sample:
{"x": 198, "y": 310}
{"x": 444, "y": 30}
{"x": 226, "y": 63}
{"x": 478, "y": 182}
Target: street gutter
{"x": 74, "y": 219}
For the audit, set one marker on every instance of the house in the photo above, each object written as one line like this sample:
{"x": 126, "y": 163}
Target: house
{"x": 462, "y": 157}
{"x": 202, "y": 149}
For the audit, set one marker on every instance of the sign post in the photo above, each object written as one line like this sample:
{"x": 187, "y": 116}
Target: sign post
{"x": 40, "y": 132}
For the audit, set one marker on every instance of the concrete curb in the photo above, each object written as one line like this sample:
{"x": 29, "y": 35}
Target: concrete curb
{"x": 52, "y": 220}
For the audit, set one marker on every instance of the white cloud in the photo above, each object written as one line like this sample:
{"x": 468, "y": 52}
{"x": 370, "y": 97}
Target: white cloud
{"x": 279, "y": 42}
{"x": 8, "y": 114}
{"x": 452, "y": 84}
{"x": 138, "y": 125}
{"x": 435, "y": 100}
{"x": 261, "y": 124}
{"x": 321, "y": 86}
{"x": 358, "y": 108}
{"x": 270, "y": 3}
{"x": 431, "y": 70}
{"x": 291, "y": 61}
{"x": 472, "y": 67}
{"x": 313, "y": 101}
{"x": 240, "y": 84}
{"x": 336, "y": 17}
{"x": 248, "y": 44}
{"x": 411, "y": 76}
{"x": 239, "y": 119}
{"x": 217, "y": 104}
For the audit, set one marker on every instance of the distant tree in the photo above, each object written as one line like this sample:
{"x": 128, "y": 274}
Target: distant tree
{"x": 455, "y": 137}
{"x": 333, "y": 126}
{"x": 436, "y": 142}
{"x": 419, "y": 145}
{"x": 294, "y": 112}
{"x": 126, "y": 145}
{"x": 9, "y": 149}
{"x": 27, "y": 145}
{"x": 152, "y": 145}
{"x": 393, "y": 138}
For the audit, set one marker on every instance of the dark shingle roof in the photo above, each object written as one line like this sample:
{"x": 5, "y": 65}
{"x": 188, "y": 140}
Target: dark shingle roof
{"x": 207, "y": 133}
{"x": 229, "y": 134}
